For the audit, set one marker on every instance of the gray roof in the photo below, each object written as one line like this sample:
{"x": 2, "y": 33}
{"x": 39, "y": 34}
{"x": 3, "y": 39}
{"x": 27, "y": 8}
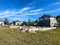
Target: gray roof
{"x": 46, "y": 16}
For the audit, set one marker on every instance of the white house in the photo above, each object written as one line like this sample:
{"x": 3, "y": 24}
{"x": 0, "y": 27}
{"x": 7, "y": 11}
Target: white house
{"x": 1, "y": 23}
{"x": 18, "y": 23}
{"x": 53, "y": 21}
{"x": 48, "y": 21}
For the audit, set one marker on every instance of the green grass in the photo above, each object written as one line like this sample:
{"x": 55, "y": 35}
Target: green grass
{"x": 15, "y": 37}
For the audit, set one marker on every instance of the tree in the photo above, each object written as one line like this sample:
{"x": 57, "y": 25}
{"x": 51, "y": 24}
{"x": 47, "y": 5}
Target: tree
{"x": 14, "y": 22}
{"x": 24, "y": 23}
{"x": 29, "y": 23}
{"x": 6, "y": 22}
{"x": 58, "y": 18}
{"x": 36, "y": 22}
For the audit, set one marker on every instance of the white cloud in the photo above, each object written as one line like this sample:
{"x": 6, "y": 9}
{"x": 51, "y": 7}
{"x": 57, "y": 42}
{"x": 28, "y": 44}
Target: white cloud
{"x": 51, "y": 11}
{"x": 56, "y": 3}
{"x": 31, "y": 4}
{"x": 24, "y": 12}
{"x": 24, "y": 9}
{"x": 21, "y": 12}
{"x": 15, "y": 18}
{"x": 51, "y": 5}
{"x": 37, "y": 10}
{"x": 7, "y": 12}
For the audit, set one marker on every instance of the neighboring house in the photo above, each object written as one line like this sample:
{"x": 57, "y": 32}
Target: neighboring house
{"x": 18, "y": 23}
{"x": 1, "y": 22}
{"x": 47, "y": 21}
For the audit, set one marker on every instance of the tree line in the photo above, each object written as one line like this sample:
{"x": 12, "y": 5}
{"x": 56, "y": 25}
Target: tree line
{"x": 29, "y": 22}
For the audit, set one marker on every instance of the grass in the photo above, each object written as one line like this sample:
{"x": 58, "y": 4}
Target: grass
{"x": 15, "y": 37}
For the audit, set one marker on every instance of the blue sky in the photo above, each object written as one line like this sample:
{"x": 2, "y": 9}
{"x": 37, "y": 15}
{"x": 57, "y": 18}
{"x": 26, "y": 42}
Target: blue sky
{"x": 28, "y": 9}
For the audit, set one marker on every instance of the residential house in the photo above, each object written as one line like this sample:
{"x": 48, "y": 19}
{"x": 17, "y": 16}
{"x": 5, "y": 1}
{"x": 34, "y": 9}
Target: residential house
{"x": 47, "y": 21}
{"x": 17, "y": 23}
{"x": 1, "y": 22}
